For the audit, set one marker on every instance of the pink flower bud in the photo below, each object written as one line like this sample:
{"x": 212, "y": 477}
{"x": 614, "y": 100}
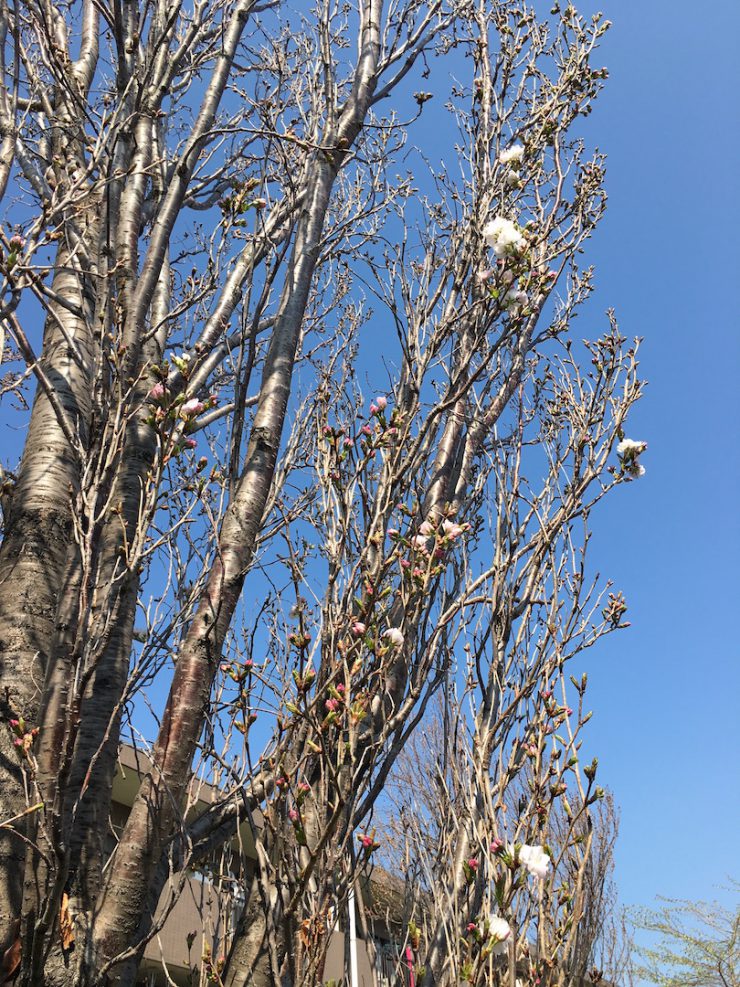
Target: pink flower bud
{"x": 366, "y": 430}
{"x": 157, "y": 392}
{"x": 358, "y": 628}
{"x": 381, "y": 403}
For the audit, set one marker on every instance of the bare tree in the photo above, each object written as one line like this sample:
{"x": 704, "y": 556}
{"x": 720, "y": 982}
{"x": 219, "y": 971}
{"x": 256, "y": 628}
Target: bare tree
{"x": 563, "y": 929}
{"x": 208, "y": 217}
{"x": 696, "y": 944}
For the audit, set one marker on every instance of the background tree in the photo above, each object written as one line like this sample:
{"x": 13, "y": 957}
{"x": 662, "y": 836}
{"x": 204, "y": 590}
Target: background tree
{"x": 210, "y": 539}
{"x": 694, "y": 944}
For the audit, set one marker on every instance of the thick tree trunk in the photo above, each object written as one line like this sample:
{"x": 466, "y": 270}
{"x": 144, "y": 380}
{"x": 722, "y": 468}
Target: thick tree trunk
{"x": 33, "y": 554}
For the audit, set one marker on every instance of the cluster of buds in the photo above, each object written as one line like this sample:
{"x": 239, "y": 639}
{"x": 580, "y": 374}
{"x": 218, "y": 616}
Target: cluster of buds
{"x": 16, "y": 245}
{"x": 303, "y": 790}
{"x": 470, "y": 868}
{"x": 23, "y": 735}
{"x": 334, "y": 704}
{"x": 243, "y": 725}
{"x": 615, "y": 610}
{"x": 304, "y": 680}
{"x": 240, "y": 201}
{"x": 212, "y": 968}
{"x": 368, "y": 844}
{"x": 238, "y": 671}
{"x": 294, "y": 816}
{"x": 428, "y": 548}
{"x": 339, "y": 438}
{"x": 382, "y": 431}
{"x": 299, "y": 640}
{"x": 282, "y": 784}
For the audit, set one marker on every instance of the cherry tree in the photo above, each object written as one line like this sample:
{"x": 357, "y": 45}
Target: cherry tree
{"x": 307, "y": 438}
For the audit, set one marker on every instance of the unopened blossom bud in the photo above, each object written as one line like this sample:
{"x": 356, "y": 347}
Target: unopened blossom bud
{"x": 327, "y": 430}
{"x": 381, "y": 403}
{"x": 452, "y": 530}
{"x": 425, "y": 528}
{"x": 293, "y": 815}
{"x": 17, "y": 243}
{"x": 358, "y": 628}
{"x": 260, "y": 203}
{"x": 157, "y": 392}
{"x": 367, "y": 842}
{"x": 192, "y": 407}
{"x": 190, "y": 443}
{"x": 473, "y": 863}
{"x": 405, "y": 564}
{"x": 366, "y": 430}
{"x": 374, "y": 408}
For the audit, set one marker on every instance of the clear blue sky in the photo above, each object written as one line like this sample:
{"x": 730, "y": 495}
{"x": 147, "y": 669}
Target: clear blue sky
{"x": 665, "y": 693}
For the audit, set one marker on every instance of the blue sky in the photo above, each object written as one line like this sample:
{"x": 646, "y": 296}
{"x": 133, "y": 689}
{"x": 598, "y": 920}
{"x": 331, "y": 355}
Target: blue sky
{"x": 665, "y": 692}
